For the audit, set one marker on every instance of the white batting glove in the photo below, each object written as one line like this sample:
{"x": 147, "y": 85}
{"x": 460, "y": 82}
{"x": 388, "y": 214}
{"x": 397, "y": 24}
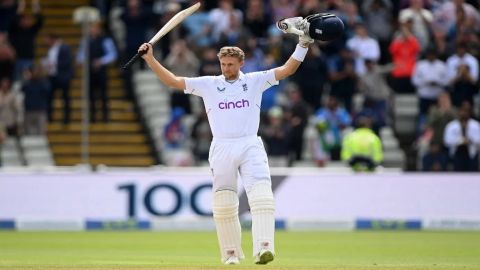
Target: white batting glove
{"x": 305, "y": 38}
{"x": 297, "y": 26}
{"x": 289, "y": 25}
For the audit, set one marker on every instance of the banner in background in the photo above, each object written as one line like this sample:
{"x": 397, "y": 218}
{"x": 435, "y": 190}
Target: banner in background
{"x": 182, "y": 200}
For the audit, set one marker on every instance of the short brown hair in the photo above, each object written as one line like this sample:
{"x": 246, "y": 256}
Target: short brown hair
{"x": 231, "y": 52}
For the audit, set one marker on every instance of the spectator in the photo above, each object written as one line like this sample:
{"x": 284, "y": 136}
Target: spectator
{"x": 312, "y": 76}
{"x": 363, "y": 47}
{"x": 226, "y": 23}
{"x": 275, "y": 134}
{"x": 282, "y": 9}
{"x": 462, "y": 137}
{"x": 135, "y": 18}
{"x": 438, "y": 117}
{"x": 464, "y": 87}
{"x": 376, "y": 90}
{"x": 330, "y": 122}
{"x": 209, "y": 63}
{"x": 296, "y": 115}
{"x": 404, "y": 50}
{"x": 102, "y": 53}
{"x": 59, "y": 66}
{"x": 445, "y": 15}
{"x": 170, "y": 9}
{"x": 445, "y": 20}
{"x": 309, "y": 7}
{"x": 201, "y": 138}
{"x": 254, "y": 57}
{"x": 182, "y": 61}
{"x": 7, "y": 14}
{"x": 349, "y": 15}
{"x": 198, "y": 28}
{"x": 7, "y": 57}
{"x": 175, "y": 132}
{"x": 378, "y": 20}
{"x": 421, "y": 20}
{"x": 256, "y": 19}
{"x": 462, "y": 57}
{"x": 362, "y": 148}
{"x": 10, "y": 108}
{"x": 342, "y": 76}
{"x": 23, "y": 31}
{"x": 430, "y": 79}
{"x": 435, "y": 160}
{"x": 459, "y": 31}
{"x": 36, "y": 90}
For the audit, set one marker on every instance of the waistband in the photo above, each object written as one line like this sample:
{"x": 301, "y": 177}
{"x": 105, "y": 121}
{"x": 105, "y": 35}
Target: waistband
{"x": 235, "y": 139}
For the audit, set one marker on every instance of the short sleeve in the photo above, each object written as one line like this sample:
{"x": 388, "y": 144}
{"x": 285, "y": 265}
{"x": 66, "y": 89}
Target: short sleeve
{"x": 197, "y": 86}
{"x": 264, "y": 79}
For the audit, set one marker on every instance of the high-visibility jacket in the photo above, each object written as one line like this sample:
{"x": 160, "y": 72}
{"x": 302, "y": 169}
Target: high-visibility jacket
{"x": 362, "y": 142}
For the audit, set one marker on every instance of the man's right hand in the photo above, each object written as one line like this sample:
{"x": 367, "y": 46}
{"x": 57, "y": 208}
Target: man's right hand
{"x": 289, "y": 25}
{"x": 147, "y": 50}
{"x": 297, "y": 26}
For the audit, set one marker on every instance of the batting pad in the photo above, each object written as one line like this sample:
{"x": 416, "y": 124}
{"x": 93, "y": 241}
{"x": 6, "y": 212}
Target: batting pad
{"x": 262, "y": 207}
{"x": 229, "y": 232}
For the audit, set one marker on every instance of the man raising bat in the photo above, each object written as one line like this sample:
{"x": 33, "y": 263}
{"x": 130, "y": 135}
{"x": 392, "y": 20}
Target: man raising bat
{"x": 232, "y": 102}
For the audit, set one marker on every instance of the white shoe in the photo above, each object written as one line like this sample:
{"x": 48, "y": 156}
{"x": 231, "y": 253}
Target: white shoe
{"x": 232, "y": 260}
{"x": 264, "y": 256}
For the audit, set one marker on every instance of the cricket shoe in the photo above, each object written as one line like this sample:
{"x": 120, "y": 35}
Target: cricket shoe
{"x": 264, "y": 256}
{"x": 232, "y": 260}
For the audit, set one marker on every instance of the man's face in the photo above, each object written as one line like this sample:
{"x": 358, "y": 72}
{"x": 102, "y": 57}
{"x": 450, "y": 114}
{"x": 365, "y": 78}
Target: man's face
{"x": 230, "y": 67}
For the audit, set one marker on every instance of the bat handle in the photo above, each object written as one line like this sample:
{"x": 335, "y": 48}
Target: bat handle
{"x": 133, "y": 59}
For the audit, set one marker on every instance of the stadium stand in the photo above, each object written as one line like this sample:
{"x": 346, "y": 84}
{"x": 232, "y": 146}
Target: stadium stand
{"x": 121, "y": 141}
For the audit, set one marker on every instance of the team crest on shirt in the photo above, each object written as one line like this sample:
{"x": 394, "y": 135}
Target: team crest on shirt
{"x": 245, "y": 88}
{"x": 220, "y": 90}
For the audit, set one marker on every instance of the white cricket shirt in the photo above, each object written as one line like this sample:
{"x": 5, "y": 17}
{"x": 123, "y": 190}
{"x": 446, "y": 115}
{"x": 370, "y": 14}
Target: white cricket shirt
{"x": 233, "y": 108}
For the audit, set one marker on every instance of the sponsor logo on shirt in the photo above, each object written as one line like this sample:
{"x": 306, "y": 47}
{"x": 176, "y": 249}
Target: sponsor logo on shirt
{"x": 233, "y": 104}
{"x": 220, "y": 89}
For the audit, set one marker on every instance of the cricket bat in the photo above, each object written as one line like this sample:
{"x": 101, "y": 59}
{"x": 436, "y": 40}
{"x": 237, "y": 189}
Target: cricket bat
{"x": 174, "y": 21}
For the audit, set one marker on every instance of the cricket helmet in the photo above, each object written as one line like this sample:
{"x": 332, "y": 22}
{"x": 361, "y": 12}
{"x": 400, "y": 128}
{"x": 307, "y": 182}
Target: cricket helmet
{"x": 324, "y": 26}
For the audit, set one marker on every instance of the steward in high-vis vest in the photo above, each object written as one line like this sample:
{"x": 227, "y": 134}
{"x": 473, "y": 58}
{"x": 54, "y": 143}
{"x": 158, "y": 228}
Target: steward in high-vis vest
{"x": 362, "y": 148}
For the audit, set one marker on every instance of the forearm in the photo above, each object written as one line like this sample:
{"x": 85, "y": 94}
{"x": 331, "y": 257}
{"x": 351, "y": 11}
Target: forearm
{"x": 163, "y": 74}
{"x": 292, "y": 65}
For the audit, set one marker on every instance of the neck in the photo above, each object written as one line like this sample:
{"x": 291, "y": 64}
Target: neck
{"x": 233, "y": 78}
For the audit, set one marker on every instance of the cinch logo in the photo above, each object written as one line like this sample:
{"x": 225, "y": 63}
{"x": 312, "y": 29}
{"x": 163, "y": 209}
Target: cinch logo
{"x": 233, "y": 104}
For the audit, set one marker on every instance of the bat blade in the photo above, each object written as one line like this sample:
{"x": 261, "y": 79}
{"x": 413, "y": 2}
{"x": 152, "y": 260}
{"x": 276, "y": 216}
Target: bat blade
{"x": 174, "y": 21}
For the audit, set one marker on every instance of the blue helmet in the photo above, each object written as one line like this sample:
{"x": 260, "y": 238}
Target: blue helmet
{"x": 324, "y": 26}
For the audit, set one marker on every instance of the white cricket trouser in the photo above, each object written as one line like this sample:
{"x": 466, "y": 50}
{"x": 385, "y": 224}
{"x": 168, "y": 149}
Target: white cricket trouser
{"x": 244, "y": 156}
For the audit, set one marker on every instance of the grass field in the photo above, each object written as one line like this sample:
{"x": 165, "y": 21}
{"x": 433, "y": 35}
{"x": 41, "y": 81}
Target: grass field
{"x": 198, "y": 250}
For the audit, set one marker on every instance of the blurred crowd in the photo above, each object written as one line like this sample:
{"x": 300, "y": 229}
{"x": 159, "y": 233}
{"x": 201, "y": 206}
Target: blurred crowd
{"x": 344, "y": 88}
{"x": 29, "y": 82}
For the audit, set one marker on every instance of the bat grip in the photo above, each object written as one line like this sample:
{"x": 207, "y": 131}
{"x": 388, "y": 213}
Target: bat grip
{"x": 133, "y": 59}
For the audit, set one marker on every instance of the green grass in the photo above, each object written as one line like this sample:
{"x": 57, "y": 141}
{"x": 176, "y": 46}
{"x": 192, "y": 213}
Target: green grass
{"x": 198, "y": 250}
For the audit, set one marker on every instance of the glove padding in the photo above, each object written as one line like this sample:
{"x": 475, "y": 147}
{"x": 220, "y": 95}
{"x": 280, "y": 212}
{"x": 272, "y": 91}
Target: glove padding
{"x": 297, "y": 26}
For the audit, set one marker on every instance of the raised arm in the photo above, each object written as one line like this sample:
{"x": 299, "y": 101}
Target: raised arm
{"x": 291, "y": 25}
{"x": 163, "y": 74}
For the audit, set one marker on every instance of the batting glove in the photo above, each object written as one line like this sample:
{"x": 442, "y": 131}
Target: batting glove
{"x": 297, "y": 26}
{"x": 288, "y": 25}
